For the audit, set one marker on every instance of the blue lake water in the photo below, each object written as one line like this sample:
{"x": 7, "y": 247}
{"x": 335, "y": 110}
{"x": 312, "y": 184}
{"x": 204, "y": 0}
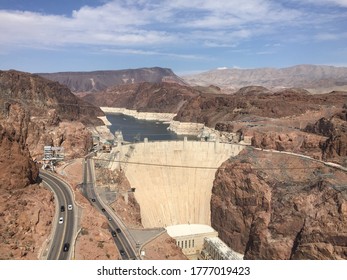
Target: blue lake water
{"x": 134, "y": 129}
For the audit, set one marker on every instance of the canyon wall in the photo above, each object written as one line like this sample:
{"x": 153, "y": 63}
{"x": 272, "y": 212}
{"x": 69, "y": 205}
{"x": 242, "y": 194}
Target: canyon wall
{"x": 275, "y": 206}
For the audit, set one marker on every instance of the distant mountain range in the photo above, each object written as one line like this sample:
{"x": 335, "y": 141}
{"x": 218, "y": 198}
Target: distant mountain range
{"x": 96, "y": 81}
{"x": 315, "y": 78}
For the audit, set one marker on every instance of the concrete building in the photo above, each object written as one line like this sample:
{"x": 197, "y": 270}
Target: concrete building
{"x": 190, "y": 238}
{"x": 215, "y": 249}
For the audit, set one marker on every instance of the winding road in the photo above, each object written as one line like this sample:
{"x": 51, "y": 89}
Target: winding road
{"x": 116, "y": 227}
{"x": 63, "y": 233}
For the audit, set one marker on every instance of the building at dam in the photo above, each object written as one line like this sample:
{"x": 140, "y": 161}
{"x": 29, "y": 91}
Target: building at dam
{"x": 201, "y": 242}
{"x": 190, "y": 237}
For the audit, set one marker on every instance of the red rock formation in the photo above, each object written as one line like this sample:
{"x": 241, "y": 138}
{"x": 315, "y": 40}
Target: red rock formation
{"x": 145, "y": 97}
{"x": 335, "y": 128}
{"x": 17, "y": 170}
{"x": 276, "y": 206}
{"x": 57, "y": 117}
{"x": 254, "y": 103}
{"x": 26, "y": 210}
{"x": 33, "y": 112}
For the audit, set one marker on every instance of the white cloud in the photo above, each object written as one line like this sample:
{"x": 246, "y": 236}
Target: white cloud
{"x": 341, "y": 3}
{"x": 133, "y": 23}
{"x": 154, "y": 53}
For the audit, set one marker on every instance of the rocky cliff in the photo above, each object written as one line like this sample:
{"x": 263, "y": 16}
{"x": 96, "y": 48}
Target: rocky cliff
{"x": 26, "y": 209}
{"x": 335, "y": 129}
{"x": 276, "y": 120}
{"x": 96, "y": 81}
{"x": 145, "y": 97}
{"x": 57, "y": 117}
{"x": 251, "y": 103}
{"x": 34, "y": 112}
{"x": 277, "y": 206}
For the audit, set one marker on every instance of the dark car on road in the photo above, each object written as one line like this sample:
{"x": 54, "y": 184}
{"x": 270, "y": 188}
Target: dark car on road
{"x": 122, "y": 252}
{"x": 113, "y": 233}
{"x": 66, "y": 247}
{"x": 62, "y": 208}
{"x": 118, "y": 230}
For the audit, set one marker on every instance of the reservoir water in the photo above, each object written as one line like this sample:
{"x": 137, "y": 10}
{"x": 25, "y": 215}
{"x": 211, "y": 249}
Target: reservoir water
{"x": 136, "y": 130}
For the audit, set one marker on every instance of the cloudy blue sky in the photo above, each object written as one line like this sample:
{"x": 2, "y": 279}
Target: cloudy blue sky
{"x": 184, "y": 35}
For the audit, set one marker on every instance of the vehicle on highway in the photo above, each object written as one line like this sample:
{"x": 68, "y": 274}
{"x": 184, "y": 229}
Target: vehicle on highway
{"x": 103, "y": 210}
{"x": 118, "y": 230}
{"x": 109, "y": 218}
{"x": 61, "y": 220}
{"x": 114, "y": 234}
{"x": 69, "y": 207}
{"x": 62, "y": 208}
{"x": 93, "y": 199}
{"x": 122, "y": 252}
{"x": 66, "y": 247}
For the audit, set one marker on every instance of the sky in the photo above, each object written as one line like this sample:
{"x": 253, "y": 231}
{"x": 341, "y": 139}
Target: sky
{"x": 188, "y": 36}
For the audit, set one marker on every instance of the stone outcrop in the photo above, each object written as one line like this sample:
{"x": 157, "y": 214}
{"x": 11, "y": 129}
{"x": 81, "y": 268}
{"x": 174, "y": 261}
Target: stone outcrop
{"x": 144, "y": 97}
{"x": 277, "y": 206}
{"x": 57, "y": 117}
{"x": 288, "y": 140}
{"x": 254, "y": 103}
{"x": 335, "y": 129}
{"x": 26, "y": 209}
{"x": 16, "y": 167}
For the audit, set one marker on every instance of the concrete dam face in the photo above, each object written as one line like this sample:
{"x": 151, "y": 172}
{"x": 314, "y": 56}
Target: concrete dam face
{"x": 175, "y": 178}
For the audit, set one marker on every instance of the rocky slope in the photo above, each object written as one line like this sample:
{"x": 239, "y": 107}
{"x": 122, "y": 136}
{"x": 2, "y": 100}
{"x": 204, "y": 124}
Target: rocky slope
{"x": 144, "y": 97}
{"x": 275, "y": 120}
{"x": 100, "y": 80}
{"x": 335, "y": 128}
{"x": 26, "y": 209}
{"x": 277, "y": 206}
{"x": 57, "y": 117}
{"x": 316, "y": 78}
{"x": 254, "y": 102}
{"x": 34, "y": 112}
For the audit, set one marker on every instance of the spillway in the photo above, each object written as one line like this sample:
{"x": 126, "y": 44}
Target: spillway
{"x": 174, "y": 179}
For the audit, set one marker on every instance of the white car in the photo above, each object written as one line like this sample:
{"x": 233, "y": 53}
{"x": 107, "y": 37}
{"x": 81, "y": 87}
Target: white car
{"x": 69, "y": 207}
{"x": 61, "y": 220}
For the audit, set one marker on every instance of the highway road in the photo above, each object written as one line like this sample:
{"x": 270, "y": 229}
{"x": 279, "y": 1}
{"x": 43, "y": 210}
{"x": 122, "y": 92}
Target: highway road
{"x": 63, "y": 232}
{"x": 121, "y": 240}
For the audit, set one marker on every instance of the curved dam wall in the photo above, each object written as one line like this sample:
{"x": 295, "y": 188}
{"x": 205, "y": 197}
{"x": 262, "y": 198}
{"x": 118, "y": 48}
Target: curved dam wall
{"x": 174, "y": 182}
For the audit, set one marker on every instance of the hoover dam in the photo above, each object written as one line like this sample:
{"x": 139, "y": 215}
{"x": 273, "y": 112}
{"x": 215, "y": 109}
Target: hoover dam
{"x": 174, "y": 179}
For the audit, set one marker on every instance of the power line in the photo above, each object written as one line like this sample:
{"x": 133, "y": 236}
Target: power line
{"x": 203, "y": 167}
